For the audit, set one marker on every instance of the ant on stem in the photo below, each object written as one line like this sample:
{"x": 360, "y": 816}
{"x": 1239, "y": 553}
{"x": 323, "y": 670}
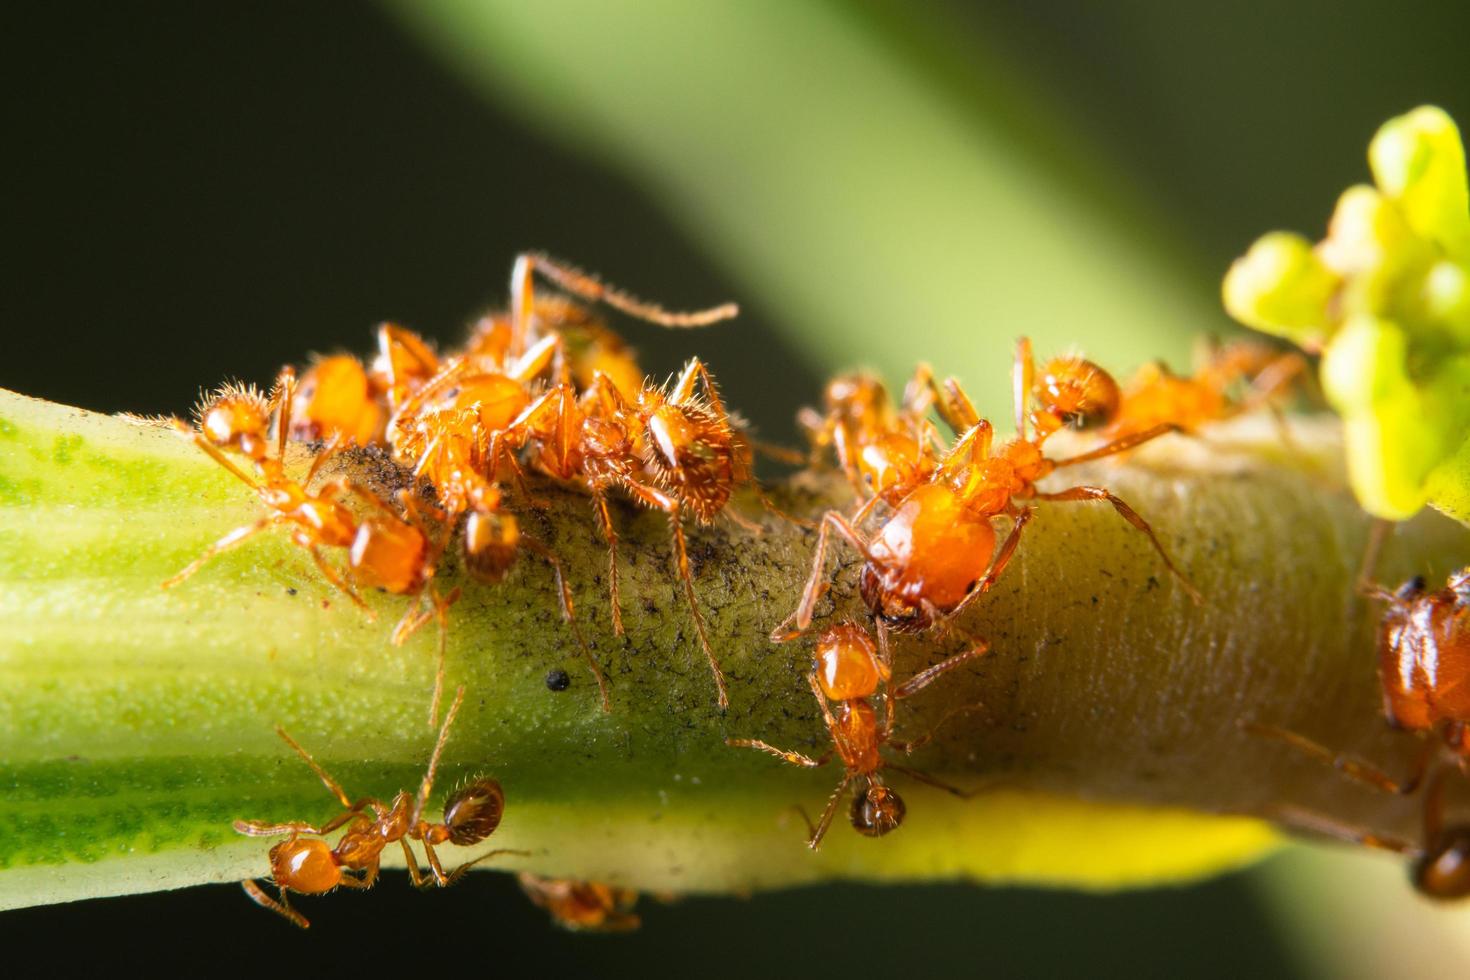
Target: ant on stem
{"x": 1424, "y": 672}
{"x": 308, "y": 865}
{"x": 848, "y": 671}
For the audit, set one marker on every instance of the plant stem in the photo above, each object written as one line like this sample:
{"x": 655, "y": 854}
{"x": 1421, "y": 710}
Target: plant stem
{"x": 136, "y": 723}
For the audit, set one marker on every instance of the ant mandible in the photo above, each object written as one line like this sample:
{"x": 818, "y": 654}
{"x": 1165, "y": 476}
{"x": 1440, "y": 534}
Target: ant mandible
{"x": 582, "y": 906}
{"x": 928, "y": 560}
{"x": 848, "y": 671}
{"x": 309, "y": 866}
{"x": 1424, "y": 672}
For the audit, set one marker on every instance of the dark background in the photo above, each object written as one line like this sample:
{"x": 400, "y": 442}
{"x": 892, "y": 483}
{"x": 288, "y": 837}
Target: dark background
{"x": 198, "y": 191}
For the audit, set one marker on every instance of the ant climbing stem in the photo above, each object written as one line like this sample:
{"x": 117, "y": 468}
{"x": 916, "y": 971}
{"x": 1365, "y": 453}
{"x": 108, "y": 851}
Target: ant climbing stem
{"x": 308, "y": 865}
{"x": 1423, "y": 669}
{"x": 849, "y": 671}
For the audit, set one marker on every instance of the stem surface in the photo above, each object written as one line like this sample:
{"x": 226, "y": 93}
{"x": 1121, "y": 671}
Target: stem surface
{"x": 136, "y": 723}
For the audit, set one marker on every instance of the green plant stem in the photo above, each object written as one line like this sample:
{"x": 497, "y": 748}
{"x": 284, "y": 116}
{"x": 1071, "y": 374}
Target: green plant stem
{"x": 136, "y": 723}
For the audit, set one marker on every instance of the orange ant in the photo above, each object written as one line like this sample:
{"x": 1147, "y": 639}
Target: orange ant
{"x": 384, "y": 550}
{"x": 442, "y": 430}
{"x": 310, "y": 866}
{"x": 879, "y": 448}
{"x": 582, "y": 906}
{"x": 848, "y": 671}
{"x": 1424, "y": 671}
{"x": 670, "y": 450}
{"x": 338, "y": 397}
{"x": 1156, "y": 395}
{"x": 928, "y": 560}
{"x": 237, "y": 419}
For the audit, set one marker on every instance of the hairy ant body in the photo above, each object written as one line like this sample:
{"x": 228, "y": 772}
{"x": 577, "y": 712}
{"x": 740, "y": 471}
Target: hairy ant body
{"x": 582, "y": 906}
{"x": 935, "y": 552}
{"x": 848, "y": 672}
{"x": 383, "y": 549}
{"x": 1424, "y": 670}
{"x": 308, "y": 865}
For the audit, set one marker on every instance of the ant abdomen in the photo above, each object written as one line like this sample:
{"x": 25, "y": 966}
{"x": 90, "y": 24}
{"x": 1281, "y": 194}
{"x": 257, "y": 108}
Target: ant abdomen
{"x": 473, "y": 813}
{"x": 876, "y": 810}
{"x": 1443, "y": 872}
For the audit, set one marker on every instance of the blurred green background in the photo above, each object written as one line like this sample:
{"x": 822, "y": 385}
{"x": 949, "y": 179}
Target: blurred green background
{"x": 195, "y": 192}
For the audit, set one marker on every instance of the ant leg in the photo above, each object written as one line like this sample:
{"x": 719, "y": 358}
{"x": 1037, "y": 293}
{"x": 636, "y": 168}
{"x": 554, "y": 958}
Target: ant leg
{"x": 1378, "y": 534}
{"x": 794, "y": 758}
{"x": 770, "y": 506}
{"x": 745, "y": 523}
{"x": 1301, "y": 819}
{"x": 256, "y": 828}
{"x": 656, "y": 499}
{"x": 780, "y": 454}
{"x": 1132, "y": 517}
{"x": 439, "y": 607}
{"x": 215, "y": 453}
{"x": 928, "y": 780}
{"x": 1023, "y": 374}
{"x": 336, "y": 445}
{"x": 334, "y": 577}
{"x": 334, "y": 787}
{"x": 913, "y": 745}
{"x": 590, "y": 288}
{"x": 411, "y": 862}
{"x": 281, "y": 398}
{"x": 1002, "y": 559}
{"x": 235, "y": 537}
{"x": 814, "y": 585}
{"x": 929, "y": 675}
{"x": 282, "y": 908}
{"x": 564, "y": 593}
{"x": 1349, "y": 766}
{"x": 694, "y": 372}
{"x": 969, "y": 448}
{"x": 682, "y": 550}
{"x": 1434, "y": 805}
{"x": 1119, "y": 445}
{"x": 820, "y": 831}
{"x": 427, "y": 786}
{"x": 459, "y": 872}
{"x": 604, "y": 521}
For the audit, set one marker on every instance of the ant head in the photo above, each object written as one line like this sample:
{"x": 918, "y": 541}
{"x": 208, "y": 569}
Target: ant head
{"x": 237, "y": 417}
{"x": 473, "y": 813}
{"x": 1076, "y": 392}
{"x": 847, "y": 663}
{"x": 306, "y": 865}
{"x": 876, "y": 810}
{"x": 1443, "y": 870}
